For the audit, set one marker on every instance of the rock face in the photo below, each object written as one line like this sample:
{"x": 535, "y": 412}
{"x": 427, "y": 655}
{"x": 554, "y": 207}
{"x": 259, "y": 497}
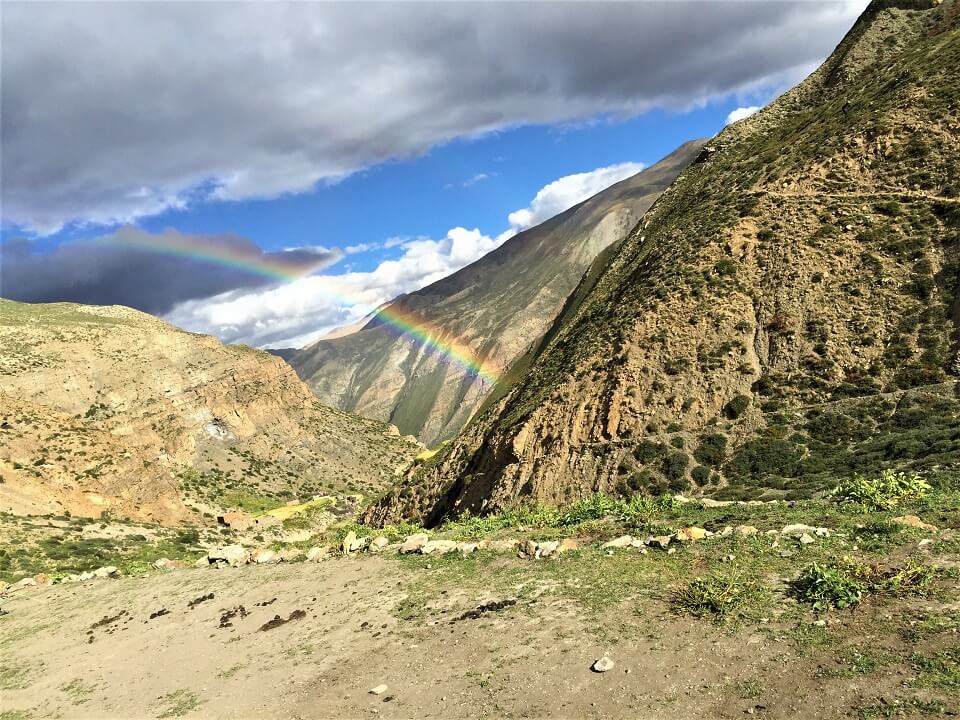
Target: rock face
{"x": 484, "y": 308}
{"x": 106, "y": 409}
{"x": 786, "y": 313}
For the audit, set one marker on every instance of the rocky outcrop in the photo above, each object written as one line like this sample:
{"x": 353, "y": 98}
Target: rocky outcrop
{"x": 487, "y": 309}
{"x": 785, "y": 314}
{"x": 109, "y": 410}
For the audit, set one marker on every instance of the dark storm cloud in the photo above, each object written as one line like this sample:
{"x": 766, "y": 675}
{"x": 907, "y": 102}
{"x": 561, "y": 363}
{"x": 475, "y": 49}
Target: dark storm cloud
{"x": 117, "y": 110}
{"x": 114, "y": 271}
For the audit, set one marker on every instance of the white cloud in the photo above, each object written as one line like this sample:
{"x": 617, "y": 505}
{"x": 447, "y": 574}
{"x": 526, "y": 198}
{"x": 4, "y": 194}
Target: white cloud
{"x": 567, "y": 192}
{"x": 114, "y": 111}
{"x": 741, "y": 113}
{"x": 302, "y": 311}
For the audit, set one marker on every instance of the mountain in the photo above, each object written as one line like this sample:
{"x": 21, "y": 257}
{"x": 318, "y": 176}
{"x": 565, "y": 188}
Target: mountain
{"x": 494, "y": 310}
{"x": 106, "y": 409}
{"x": 786, "y": 314}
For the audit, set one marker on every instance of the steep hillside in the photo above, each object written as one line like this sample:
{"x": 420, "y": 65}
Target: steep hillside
{"x": 786, "y": 313}
{"x": 106, "y": 409}
{"x": 496, "y": 308}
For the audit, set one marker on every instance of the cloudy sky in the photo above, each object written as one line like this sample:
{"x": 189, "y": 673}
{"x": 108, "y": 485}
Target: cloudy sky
{"x": 367, "y": 148}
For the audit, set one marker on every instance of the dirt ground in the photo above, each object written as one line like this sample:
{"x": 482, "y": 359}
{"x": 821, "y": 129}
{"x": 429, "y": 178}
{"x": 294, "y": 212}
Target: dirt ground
{"x": 94, "y": 651}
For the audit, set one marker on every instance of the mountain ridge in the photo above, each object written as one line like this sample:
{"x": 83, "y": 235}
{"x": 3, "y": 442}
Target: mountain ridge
{"x": 760, "y": 285}
{"x": 496, "y": 308}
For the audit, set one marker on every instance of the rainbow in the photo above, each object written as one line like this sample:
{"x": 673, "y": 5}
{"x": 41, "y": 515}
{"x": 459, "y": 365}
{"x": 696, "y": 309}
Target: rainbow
{"x": 250, "y": 259}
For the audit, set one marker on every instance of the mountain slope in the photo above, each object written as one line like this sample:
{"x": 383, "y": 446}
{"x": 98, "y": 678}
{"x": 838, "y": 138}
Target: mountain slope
{"x": 109, "y": 409}
{"x": 787, "y": 312}
{"x": 497, "y": 307}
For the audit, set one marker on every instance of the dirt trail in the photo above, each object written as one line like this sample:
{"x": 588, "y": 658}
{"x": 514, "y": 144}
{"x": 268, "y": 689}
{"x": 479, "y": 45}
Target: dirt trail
{"x": 311, "y": 640}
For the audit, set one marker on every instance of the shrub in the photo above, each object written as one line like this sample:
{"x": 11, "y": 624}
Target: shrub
{"x": 647, "y": 451}
{"x": 844, "y": 584}
{"x": 888, "y": 490}
{"x": 675, "y": 465}
{"x": 715, "y": 596}
{"x": 712, "y": 449}
{"x": 736, "y": 407}
{"x": 700, "y": 475}
{"x": 830, "y": 586}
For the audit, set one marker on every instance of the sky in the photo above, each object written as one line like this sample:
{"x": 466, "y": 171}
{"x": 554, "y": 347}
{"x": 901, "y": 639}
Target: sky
{"x": 265, "y": 172}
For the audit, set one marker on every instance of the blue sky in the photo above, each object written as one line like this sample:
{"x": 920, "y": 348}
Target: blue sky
{"x": 303, "y": 133}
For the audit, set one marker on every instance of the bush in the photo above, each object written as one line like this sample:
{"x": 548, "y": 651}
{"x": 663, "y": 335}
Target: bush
{"x": 830, "y": 586}
{"x": 888, "y": 490}
{"x": 844, "y": 584}
{"x": 675, "y": 465}
{"x": 736, "y": 407}
{"x": 712, "y": 450}
{"x": 647, "y": 451}
{"x": 715, "y": 596}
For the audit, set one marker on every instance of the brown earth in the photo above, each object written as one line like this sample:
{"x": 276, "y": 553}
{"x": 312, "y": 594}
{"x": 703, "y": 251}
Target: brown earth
{"x": 94, "y": 651}
{"x": 109, "y": 410}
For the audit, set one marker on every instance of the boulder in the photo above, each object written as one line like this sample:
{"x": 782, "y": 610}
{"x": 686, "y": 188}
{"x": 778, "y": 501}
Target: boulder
{"x": 745, "y": 530}
{"x": 528, "y": 549}
{"x": 76, "y": 578}
{"x": 378, "y": 544}
{"x": 660, "y": 541}
{"x": 348, "y": 541}
{"x": 797, "y": 530}
{"x": 105, "y": 572}
{"x": 413, "y": 543}
{"x": 546, "y": 549}
{"x": 84, "y": 576}
{"x": 466, "y": 547}
{"x": 316, "y": 554}
{"x": 727, "y": 531}
{"x": 438, "y": 547}
{"x": 566, "y": 545}
{"x": 162, "y": 564}
{"x": 620, "y": 542}
{"x": 290, "y": 554}
{"x": 914, "y": 522}
{"x": 807, "y": 539}
{"x": 602, "y": 665}
{"x": 263, "y": 556}
{"x": 711, "y": 503}
{"x": 691, "y": 534}
{"x": 21, "y": 584}
{"x": 232, "y": 555}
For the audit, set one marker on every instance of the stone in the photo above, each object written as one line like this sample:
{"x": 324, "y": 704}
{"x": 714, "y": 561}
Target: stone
{"x": 620, "y": 542}
{"x": 727, "y": 531}
{"x": 162, "y": 564}
{"x": 263, "y": 556}
{"x": 528, "y": 549}
{"x": 691, "y": 534}
{"x": 466, "y": 547}
{"x": 232, "y": 555}
{"x": 807, "y": 539}
{"x": 566, "y": 545}
{"x": 21, "y": 584}
{"x": 546, "y": 549}
{"x": 316, "y": 554}
{"x": 925, "y": 543}
{"x": 711, "y": 503}
{"x": 602, "y": 665}
{"x": 413, "y": 543}
{"x": 501, "y": 545}
{"x": 378, "y": 544}
{"x": 797, "y": 530}
{"x": 660, "y": 541}
{"x": 84, "y": 576}
{"x": 105, "y": 572}
{"x": 379, "y": 689}
{"x": 358, "y": 544}
{"x": 914, "y": 522}
{"x": 786, "y": 553}
{"x": 202, "y": 562}
{"x": 290, "y": 554}
{"x": 347, "y": 543}
{"x": 438, "y": 547}
{"x": 745, "y": 530}
{"x": 821, "y": 532}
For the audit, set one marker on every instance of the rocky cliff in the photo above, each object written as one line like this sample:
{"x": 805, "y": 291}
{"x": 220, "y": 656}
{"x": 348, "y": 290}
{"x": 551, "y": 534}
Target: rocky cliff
{"x": 786, "y": 313}
{"x": 106, "y": 409}
{"x": 497, "y": 309}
